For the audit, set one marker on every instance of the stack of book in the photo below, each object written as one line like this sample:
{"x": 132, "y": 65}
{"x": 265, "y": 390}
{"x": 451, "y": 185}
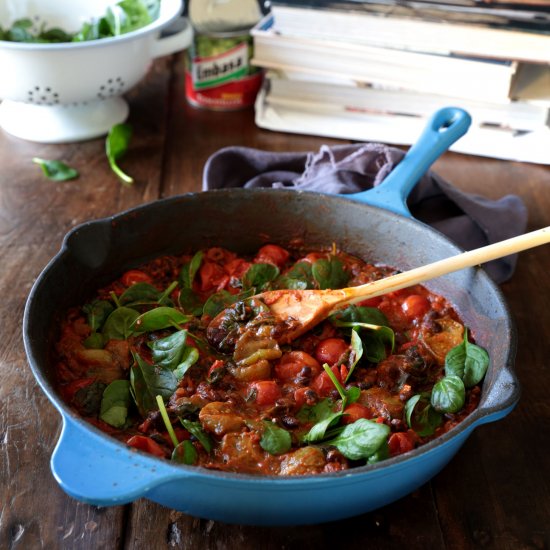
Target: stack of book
{"x": 374, "y": 70}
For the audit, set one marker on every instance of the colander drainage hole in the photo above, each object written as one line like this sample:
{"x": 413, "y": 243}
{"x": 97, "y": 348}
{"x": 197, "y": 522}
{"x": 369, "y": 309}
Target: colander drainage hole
{"x": 43, "y": 96}
{"x": 113, "y": 86}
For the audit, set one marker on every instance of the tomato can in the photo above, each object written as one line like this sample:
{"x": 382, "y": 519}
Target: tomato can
{"x": 218, "y": 72}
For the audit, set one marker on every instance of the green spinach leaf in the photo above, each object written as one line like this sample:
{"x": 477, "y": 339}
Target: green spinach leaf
{"x": 116, "y": 145}
{"x": 274, "y": 439}
{"x": 97, "y": 313}
{"x": 421, "y": 416}
{"x": 195, "y": 429}
{"x": 467, "y": 361}
{"x": 56, "y": 170}
{"x": 185, "y": 453}
{"x": 172, "y": 353}
{"x": 329, "y": 273}
{"x": 190, "y": 269}
{"x": 259, "y": 276}
{"x": 298, "y": 277}
{"x": 147, "y": 381}
{"x": 318, "y": 431}
{"x": 115, "y": 403}
{"x": 160, "y": 318}
{"x": 222, "y": 300}
{"x": 120, "y": 324}
{"x": 362, "y": 439}
{"x": 448, "y": 394}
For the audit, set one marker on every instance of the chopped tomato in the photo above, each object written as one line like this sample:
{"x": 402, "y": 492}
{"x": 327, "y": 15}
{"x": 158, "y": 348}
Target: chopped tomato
{"x": 330, "y": 350}
{"x": 401, "y": 442}
{"x": 237, "y": 268}
{"x": 323, "y": 385}
{"x": 415, "y": 306}
{"x": 371, "y": 302}
{"x": 212, "y": 275}
{"x": 144, "y": 443}
{"x": 354, "y": 412}
{"x": 292, "y": 363}
{"x": 266, "y": 392}
{"x": 134, "y": 276}
{"x": 300, "y": 396}
{"x": 272, "y": 254}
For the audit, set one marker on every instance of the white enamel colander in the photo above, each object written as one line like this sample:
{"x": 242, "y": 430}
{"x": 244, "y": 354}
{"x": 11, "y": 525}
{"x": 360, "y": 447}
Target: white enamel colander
{"x": 64, "y": 92}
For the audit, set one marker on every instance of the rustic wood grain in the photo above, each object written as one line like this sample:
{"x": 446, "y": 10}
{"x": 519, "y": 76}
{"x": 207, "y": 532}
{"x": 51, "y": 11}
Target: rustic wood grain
{"x": 494, "y": 494}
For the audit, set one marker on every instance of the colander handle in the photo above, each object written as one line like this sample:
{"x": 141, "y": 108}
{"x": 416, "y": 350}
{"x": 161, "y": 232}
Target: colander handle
{"x": 96, "y": 470}
{"x": 179, "y": 38}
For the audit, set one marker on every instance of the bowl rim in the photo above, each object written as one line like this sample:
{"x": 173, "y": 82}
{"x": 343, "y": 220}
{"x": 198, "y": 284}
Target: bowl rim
{"x": 162, "y": 21}
{"x": 478, "y": 417}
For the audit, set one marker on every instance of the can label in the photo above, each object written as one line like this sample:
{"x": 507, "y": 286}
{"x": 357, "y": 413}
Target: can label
{"x": 218, "y": 74}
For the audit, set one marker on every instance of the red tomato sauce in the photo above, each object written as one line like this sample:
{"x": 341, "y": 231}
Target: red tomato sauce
{"x": 369, "y": 383}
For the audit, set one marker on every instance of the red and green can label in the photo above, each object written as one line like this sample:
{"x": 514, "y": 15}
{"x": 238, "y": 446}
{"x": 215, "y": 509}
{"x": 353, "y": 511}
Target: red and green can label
{"x": 219, "y": 75}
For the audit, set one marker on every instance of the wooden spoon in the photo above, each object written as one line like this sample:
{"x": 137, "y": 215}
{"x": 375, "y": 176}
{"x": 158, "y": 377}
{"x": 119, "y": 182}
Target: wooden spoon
{"x": 300, "y": 310}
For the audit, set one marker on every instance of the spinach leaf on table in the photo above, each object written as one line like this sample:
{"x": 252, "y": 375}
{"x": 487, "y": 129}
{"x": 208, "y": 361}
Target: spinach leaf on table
{"x": 116, "y": 145}
{"x": 56, "y": 170}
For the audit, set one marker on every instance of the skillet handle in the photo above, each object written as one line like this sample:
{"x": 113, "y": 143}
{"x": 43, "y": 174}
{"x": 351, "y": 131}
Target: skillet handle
{"x": 98, "y": 471}
{"x": 445, "y": 127}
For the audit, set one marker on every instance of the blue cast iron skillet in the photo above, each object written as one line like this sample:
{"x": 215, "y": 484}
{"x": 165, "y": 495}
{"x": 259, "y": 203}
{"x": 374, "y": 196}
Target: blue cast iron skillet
{"x": 376, "y": 225}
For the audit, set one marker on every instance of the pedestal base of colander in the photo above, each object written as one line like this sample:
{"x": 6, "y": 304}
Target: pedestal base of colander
{"x": 62, "y": 123}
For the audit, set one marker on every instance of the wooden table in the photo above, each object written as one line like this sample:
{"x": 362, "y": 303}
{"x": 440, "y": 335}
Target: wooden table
{"x": 494, "y": 494}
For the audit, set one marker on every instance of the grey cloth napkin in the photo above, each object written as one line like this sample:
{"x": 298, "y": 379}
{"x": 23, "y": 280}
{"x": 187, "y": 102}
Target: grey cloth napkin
{"x": 469, "y": 220}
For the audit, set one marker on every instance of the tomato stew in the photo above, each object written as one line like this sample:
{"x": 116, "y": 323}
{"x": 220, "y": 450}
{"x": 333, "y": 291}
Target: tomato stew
{"x": 373, "y": 381}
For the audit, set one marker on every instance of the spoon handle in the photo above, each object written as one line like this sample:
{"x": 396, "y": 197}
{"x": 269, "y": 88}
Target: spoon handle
{"x": 447, "y": 265}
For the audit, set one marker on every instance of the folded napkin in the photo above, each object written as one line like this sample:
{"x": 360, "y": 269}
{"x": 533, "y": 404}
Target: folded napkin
{"x": 469, "y": 220}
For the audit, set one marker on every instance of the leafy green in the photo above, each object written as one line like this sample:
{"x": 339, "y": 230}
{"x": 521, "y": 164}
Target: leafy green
{"x": 189, "y": 270}
{"x": 116, "y": 145}
{"x": 185, "y": 453}
{"x": 421, "y": 416}
{"x": 314, "y": 413}
{"x": 275, "y": 440}
{"x": 172, "y": 353}
{"x": 259, "y": 276}
{"x": 147, "y": 381}
{"x": 467, "y": 361}
{"x": 448, "y": 394}
{"x": 120, "y": 324}
{"x": 140, "y": 294}
{"x": 318, "y": 431}
{"x": 166, "y": 420}
{"x": 329, "y": 273}
{"x": 94, "y": 341}
{"x": 222, "y": 300}
{"x": 357, "y": 351}
{"x": 298, "y": 277}
{"x": 362, "y": 439}
{"x": 115, "y": 403}
{"x": 160, "y": 318}
{"x": 195, "y": 429}
{"x": 382, "y": 453}
{"x": 56, "y": 170}
{"x": 348, "y": 396}
{"x": 97, "y": 313}
{"x": 124, "y": 17}
{"x": 359, "y": 314}
{"x": 190, "y": 302}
